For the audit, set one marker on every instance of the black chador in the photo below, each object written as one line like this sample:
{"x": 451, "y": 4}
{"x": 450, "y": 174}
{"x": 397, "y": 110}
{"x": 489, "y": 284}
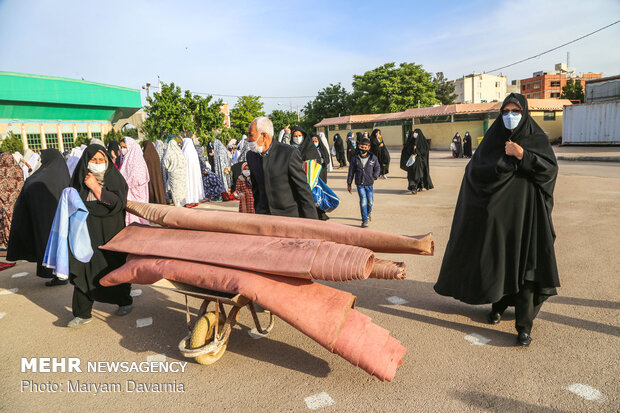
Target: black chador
{"x": 501, "y": 242}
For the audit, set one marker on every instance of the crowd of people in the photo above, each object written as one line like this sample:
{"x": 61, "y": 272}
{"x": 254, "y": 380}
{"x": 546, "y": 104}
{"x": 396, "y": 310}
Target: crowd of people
{"x": 500, "y": 249}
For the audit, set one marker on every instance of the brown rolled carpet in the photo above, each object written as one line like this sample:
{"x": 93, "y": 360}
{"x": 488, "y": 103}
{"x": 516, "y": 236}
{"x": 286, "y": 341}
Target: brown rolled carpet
{"x": 300, "y": 258}
{"x": 388, "y": 270}
{"x": 284, "y": 227}
{"x": 324, "y": 314}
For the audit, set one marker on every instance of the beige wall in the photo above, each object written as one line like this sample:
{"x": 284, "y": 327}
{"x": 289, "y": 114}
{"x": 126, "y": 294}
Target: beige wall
{"x": 441, "y": 134}
{"x": 392, "y": 135}
{"x": 553, "y": 128}
{"x": 485, "y": 87}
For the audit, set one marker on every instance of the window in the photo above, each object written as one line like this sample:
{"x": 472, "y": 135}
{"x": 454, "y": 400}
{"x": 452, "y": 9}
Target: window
{"x": 364, "y": 125}
{"x": 555, "y": 95}
{"x": 95, "y": 135}
{"x": 537, "y": 85}
{"x": 555, "y": 83}
{"x": 522, "y": 87}
{"x": 496, "y": 84}
{"x": 34, "y": 141}
{"x": 82, "y": 135}
{"x": 67, "y": 140}
{"x": 480, "y": 85}
{"x": 51, "y": 140}
{"x": 549, "y": 115}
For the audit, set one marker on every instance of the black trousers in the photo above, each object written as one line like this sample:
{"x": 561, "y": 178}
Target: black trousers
{"x": 42, "y": 271}
{"x": 83, "y": 302}
{"x": 526, "y": 309}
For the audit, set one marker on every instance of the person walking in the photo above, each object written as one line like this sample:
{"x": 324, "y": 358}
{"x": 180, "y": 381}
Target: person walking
{"x": 467, "y": 145}
{"x": 339, "y": 149}
{"x": 365, "y": 170}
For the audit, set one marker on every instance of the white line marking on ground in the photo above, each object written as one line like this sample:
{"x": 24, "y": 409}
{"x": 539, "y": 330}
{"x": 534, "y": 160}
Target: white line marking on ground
{"x": 477, "y": 339}
{"x": 144, "y": 322}
{"x": 255, "y": 334}
{"x": 2, "y": 315}
{"x": 19, "y": 274}
{"x": 156, "y": 357}
{"x": 397, "y": 300}
{"x": 587, "y": 392}
{"x": 10, "y": 291}
{"x": 136, "y": 292}
{"x": 319, "y": 401}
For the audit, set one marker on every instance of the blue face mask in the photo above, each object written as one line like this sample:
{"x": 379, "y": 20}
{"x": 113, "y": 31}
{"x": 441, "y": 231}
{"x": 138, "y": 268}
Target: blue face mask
{"x": 511, "y": 120}
{"x": 316, "y": 144}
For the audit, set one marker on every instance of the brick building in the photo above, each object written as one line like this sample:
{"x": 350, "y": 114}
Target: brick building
{"x": 549, "y": 84}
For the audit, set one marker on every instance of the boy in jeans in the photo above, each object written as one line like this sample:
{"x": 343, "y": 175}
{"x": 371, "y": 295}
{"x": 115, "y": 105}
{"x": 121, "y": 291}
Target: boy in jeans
{"x": 365, "y": 169}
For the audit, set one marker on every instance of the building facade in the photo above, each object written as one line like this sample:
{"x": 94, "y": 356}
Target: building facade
{"x": 549, "y": 84}
{"x": 440, "y": 123}
{"x": 52, "y": 112}
{"x": 603, "y": 90}
{"x": 480, "y": 88}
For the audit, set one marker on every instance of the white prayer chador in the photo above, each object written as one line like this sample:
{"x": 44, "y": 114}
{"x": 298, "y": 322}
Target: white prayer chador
{"x": 195, "y": 190}
{"x": 175, "y": 164}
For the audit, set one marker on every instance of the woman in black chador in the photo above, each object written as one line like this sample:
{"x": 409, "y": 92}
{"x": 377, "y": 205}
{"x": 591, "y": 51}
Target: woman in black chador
{"x": 339, "y": 147}
{"x": 457, "y": 152}
{"x": 501, "y": 243}
{"x": 104, "y": 192}
{"x": 467, "y": 145}
{"x": 34, "y": 213}
{"x": 414, "y": 175}
{"x": 377, "y": 146}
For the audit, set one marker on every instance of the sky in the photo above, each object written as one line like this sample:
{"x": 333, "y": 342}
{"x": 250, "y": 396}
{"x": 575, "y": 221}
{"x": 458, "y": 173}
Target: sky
{"x": 286, "y": 49}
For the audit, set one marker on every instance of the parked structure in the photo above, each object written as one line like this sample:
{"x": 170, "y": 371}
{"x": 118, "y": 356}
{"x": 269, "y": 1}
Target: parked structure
{"x": 440, "y": 123}
{"x": 52, "y": 112}
{"x": 603, "y": 89}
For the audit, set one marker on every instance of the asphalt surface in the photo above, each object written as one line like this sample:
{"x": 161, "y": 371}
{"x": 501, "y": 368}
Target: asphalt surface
{"x": 576, "y": 336}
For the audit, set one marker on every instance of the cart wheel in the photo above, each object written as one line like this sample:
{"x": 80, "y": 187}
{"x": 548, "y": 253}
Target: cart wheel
{"x": 202, "y": 333}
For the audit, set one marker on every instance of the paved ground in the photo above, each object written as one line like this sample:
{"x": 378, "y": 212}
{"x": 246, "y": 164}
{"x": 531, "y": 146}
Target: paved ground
{"x": 576, "y": 337}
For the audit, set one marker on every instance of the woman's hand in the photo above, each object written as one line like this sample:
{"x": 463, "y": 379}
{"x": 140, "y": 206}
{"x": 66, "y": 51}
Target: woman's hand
{"x": 91, "y": 182}
{"x": 514, "y": 149}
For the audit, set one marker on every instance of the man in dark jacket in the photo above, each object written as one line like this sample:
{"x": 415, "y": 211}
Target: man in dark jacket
{"x": 279, "y": 183}
{"x": 365, "y": 169}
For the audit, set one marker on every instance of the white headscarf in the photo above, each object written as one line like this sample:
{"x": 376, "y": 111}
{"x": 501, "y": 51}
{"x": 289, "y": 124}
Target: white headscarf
{"x": 195, "y": 190}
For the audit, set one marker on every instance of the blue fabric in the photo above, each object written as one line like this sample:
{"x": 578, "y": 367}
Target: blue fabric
{"x": 324, "y": 198}
{"x": 364, "y": 175}
{"x": 68, "y": 229}
{"x": 366, "y": 200}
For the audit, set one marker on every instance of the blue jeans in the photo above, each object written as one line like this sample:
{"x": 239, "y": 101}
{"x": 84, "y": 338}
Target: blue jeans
{"x": 366, "y": 199}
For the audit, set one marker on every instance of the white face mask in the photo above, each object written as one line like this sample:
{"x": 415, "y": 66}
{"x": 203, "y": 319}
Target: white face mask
{"x": 297, "y": 140}
{"x": 246, "y": 172}
{"x": 511, "y": 120}
{"x": 254, "y": 147}
{"x": 96, "y": 168}
{"x": 124, "y": 151}
{"x": 415, "y": 134}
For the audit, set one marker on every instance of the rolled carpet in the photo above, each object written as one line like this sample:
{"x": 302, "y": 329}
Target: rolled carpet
{"x": 324, "y": 314}
{"x": 300, "y": 258}
{"x": 284, "y": 227}
{"x": 388, "y": 270}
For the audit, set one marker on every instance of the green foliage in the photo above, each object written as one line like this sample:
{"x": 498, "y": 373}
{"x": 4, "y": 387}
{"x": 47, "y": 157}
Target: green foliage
{"x": 172, "y": 112}
{"x": 226, "y": 134}
{"x": 573, "y": 90}
{"x": 12, "y": 143}
{"x": 131, "y": 132}
{"x": 393, "y": 89}
{"x": 244, "y": 112}
{"x": 281, "y": 118}
{"x": 111, "y": 136}
{"x": 444, "y": 89}
{"x": 330, "y": 102}
{"x": 81, "y": 140}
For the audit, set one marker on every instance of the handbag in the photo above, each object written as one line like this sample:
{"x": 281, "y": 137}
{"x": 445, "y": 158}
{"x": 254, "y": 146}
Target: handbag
{"x": 324, "y": 198}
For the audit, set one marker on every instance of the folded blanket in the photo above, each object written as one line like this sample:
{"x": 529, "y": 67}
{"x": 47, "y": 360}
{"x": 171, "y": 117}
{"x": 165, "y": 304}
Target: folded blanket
{"x": 284, "y": 227}
{"x": 300, "y": 258}
{"x": 324, "y": 314}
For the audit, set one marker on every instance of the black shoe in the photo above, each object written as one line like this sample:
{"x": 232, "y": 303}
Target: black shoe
{"x": 524, "y": 339}
{"x": 56, "y": 281}
{"x": 494, "y": 317}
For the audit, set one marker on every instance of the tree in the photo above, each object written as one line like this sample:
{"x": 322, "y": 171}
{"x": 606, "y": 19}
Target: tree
{"x": 573, "y": 90}
{"x": 81, "y": 140}
{"x": 12, "y": 143}
{"x": 281, "y": 118}
{"x": 227, "y": 134}
{"x": 330, "y": 102}
{"x": 207, "y": 114}
{"x": 244, "y": 112}
{"x": 393, "y": 89}
{"x": 131, "y": 132}
{"x": 444, "y": 89}
{"x": 112, "y": 136}
{"x": 167, "y": 113}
